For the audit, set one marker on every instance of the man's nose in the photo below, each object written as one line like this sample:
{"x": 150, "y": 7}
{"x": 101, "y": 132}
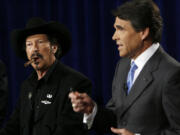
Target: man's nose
{"x": 114, "y": 37}
{"x": 35, "y": 47}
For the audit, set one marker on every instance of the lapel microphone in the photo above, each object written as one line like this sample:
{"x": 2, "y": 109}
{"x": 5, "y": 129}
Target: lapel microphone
{"x": 125, "y": 88}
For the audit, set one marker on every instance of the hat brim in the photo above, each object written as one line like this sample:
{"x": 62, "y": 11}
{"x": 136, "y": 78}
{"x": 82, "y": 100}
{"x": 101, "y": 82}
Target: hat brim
{"x": 19, "y": 36}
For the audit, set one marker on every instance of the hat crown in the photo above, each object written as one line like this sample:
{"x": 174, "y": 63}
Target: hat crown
{"x": 35, "y": 22}
{"x": 39, "y": 26}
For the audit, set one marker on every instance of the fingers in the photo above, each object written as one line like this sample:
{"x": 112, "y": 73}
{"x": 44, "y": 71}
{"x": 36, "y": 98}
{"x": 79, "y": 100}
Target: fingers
{"x": 121, "y": 131}
{"x": 116, "y": 130}
{"x": 79, "y": 108}
{"x": 77, "y": 100}
{"x": 81, "y": 102}
{"x": 75, "y": 95}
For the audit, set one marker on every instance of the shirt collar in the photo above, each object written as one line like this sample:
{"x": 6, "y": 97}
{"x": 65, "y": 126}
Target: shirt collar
{"x": 142, "y": 59}
{"x": 50, "y": 70}
{"x": 47, "y": 75}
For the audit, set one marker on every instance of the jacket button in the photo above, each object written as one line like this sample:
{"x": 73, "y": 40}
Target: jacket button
{"x": 124, "y": 123}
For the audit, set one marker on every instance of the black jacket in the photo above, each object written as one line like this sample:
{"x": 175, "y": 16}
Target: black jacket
{"x": 55, "y": 116}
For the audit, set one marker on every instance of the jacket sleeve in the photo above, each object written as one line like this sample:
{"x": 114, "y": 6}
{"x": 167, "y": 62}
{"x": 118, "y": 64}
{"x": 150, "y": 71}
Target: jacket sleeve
{"x": 104, "y": 119}
{"x": 12, "y": 126}
{"x": 3, "y": 92}
{"x": 106, "y": 116}
{"x": 70, "y": 122}
{"x": 171, "y": 104}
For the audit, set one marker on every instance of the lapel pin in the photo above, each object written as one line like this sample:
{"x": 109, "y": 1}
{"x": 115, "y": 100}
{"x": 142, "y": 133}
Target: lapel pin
{"x": 29, "y": 95}
{"x": 45, "y": 102}
{"x": 49, "y": 95}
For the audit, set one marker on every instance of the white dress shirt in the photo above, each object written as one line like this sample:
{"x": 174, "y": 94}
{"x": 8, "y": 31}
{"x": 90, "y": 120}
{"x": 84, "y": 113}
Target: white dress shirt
{"x": 142, "y": 59}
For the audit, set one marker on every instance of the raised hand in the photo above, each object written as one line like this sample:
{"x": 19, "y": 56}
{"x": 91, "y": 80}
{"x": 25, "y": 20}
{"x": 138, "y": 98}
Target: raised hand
{"x": 81, "y": 102}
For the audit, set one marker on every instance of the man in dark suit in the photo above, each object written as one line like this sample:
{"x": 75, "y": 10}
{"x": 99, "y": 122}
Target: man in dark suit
{"x": 44, "y": 107}
{"x": 146, "y": 86}
{"x": 3, "y": 92}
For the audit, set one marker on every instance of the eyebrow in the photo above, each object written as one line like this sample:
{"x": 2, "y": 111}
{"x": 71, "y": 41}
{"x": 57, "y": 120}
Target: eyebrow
{"x": 27, "y": 41}
{"x": 119, "y": 26}
{"x": 36, "y": 40}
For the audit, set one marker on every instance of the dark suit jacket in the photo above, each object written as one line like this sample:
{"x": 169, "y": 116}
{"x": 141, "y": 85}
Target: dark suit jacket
{"x": 153, "y": 104}
{"x": 3, "y": 92}
{"x": 56, "y": 118}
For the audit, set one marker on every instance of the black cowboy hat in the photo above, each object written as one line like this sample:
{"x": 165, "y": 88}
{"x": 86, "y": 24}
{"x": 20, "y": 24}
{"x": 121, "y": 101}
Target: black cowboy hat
{"x": 39, "y": 26}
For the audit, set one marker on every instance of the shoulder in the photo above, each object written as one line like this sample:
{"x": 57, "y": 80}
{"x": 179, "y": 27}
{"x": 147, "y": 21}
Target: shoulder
{"x": 68, "y": 72}
{"x": 63, "y": 73}
{"x": 166, "y": 67}
{"x": 124, "y": 61}
{"x": 167, "y": 62}
{"x": 72, "y": 78}
{"x": 122, "y": 64}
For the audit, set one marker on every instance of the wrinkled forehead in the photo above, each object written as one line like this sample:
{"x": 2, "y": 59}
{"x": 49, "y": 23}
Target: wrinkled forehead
{"x": 36, "y": 37}
{"x": 122, "y": 22}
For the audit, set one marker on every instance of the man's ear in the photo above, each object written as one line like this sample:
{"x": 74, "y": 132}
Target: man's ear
{"x": 145, "y": 33}
{"x": 54, "y": 48}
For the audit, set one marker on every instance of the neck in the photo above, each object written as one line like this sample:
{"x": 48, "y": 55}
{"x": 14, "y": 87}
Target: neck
{"x": 146, "y": 45}
{"x": 42, "y": 72}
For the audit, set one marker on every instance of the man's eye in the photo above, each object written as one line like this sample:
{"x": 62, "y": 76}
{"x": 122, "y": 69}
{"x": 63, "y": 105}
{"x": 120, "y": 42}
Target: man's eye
{"x": 40, "y": 41}
{"x": 28, "y": 44}
{"x": 120, "y": 28}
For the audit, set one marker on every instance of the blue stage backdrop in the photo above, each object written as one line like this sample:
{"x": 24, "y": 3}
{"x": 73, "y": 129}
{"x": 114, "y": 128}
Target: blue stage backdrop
{"x": 91, "y": 25}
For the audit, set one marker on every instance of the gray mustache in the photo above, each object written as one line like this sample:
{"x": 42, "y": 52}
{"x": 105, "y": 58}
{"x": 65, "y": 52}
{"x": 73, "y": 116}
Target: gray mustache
{"x": 36, "y": 55}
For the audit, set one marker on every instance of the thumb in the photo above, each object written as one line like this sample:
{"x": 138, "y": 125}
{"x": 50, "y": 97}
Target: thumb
{"x": 116, "y": 130}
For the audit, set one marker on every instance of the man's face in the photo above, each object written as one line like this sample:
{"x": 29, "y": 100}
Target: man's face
{"x": 129, "y": 41}
{"x": 38, "y": 47}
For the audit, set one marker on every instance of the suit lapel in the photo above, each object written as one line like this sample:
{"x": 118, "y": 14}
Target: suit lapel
{"x": 144, "y": 79}
{"x": 26, "y": 113}
{"x": 122, "y": 79}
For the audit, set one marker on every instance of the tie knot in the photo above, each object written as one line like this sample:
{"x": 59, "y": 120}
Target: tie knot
{"x": 133, "y": 66}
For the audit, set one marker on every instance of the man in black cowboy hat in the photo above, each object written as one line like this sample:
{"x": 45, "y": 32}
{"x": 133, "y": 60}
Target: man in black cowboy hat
{"x": 44, "y": 107}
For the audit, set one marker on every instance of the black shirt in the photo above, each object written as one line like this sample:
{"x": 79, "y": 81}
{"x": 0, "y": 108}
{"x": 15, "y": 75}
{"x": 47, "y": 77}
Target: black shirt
{"x": 40, "y": 88}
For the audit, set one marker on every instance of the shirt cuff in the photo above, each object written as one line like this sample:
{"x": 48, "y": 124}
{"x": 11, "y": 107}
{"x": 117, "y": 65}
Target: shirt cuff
{"x": 89, "y": 118}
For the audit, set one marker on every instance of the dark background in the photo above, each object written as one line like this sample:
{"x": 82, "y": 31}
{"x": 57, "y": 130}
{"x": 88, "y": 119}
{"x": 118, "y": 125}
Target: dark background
{"x": 91, "y": 25}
